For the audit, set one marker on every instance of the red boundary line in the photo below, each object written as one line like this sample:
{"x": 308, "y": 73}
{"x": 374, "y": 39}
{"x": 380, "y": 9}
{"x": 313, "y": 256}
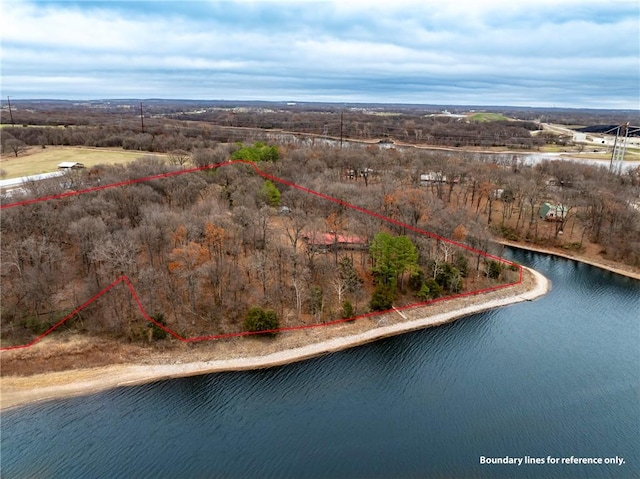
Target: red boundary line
{"x": 124, "y": 279}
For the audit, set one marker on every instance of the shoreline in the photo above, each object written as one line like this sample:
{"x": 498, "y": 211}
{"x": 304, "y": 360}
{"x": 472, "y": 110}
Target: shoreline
{"x": 19, "y": 391}
{"x": 559, "y": 254}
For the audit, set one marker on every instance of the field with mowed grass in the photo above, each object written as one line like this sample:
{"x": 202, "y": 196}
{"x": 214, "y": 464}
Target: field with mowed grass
{"x": 38, "y": 160}
{"x": 482, "y": 117}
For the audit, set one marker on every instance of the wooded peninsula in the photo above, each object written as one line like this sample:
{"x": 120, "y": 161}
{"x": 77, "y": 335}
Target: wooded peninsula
{"x": 224, "y": 250}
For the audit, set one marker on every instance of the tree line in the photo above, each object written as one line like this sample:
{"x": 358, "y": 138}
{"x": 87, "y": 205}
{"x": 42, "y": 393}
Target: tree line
{"x": 179, "y": 130}
{"x": 204, "y": 249}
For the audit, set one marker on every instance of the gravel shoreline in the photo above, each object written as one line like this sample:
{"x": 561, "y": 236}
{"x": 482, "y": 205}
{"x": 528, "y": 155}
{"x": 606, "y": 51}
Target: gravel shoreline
{"x": 19, "y": 391}
{"x": 613, "y": 267}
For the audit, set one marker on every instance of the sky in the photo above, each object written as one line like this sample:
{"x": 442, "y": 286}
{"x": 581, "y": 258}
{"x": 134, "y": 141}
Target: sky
{"x": 542, "y": 53}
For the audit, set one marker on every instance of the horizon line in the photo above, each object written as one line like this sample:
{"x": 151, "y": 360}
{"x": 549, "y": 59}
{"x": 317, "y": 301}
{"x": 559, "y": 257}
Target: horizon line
{"x": 293, "y": 102}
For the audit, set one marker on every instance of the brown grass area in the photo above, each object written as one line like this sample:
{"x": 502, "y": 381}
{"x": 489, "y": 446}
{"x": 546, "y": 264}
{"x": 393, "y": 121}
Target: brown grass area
{"x": 38, "y": 160}
{"x": 66, "y": 351}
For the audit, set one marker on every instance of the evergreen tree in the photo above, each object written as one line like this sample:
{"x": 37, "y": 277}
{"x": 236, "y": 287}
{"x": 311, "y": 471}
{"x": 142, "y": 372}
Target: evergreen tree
{"x": 157, "y": 332}
{"x": 382, "y": 298}
{"x": 347, "y": 309}
{"x": 392, "y": 257}
{"x": 270, "y": 194}
{"x": 258, "y": 319}
{"x": 348, "y": 274}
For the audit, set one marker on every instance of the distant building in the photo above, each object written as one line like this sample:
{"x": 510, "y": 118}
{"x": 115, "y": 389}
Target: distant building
{"x": 284, "y": 211}
{"x": 325, "y": 242}
{"x": 552, "y": 212}
{"x": 432, "y": 178}
{"x": 354, "y": 174}
{"x": 554, "y": 182}
{"x": 70, "y": 165}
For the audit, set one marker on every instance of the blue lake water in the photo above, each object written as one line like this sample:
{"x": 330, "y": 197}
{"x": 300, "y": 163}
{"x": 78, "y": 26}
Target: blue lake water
{"x": 555, "y": 377}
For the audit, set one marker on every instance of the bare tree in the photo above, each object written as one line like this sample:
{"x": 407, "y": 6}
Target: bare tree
{"x": 179, "y": 157}
{"x": 15, "y": 146}
{"x": 114, "y": 256}
{"x": 294, "y": 222}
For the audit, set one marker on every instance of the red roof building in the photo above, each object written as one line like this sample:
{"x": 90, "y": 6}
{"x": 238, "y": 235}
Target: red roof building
{"x": 329, "y": 241}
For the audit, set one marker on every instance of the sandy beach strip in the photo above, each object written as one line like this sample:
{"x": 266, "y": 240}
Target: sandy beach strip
{"x": 19, "y": 391}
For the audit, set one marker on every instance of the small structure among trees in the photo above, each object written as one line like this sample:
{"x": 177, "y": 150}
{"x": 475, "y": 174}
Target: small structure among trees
{"x": 70, "y": 165}
{"x": 552, "y": 212}
{"x": 432, "y": 178}
{"x": 332, "y": 241}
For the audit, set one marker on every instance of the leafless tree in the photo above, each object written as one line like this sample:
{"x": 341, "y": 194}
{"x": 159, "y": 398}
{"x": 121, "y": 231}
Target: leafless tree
{"x": 179, "y": 157}
{"x": 14, "y": 146}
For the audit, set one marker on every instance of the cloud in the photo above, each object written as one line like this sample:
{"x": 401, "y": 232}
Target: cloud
{"x": 570, "y": 52}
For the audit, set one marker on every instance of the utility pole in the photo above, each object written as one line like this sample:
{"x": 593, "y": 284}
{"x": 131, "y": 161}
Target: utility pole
{"x": 141, "y": 118}
{"x": 620, "y": 146}
{"x": 341, "y": 123}
{"x": 10, "y": 113}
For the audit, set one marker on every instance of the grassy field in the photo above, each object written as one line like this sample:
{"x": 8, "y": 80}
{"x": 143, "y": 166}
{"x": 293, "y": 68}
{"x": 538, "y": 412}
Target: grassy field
{"x": 556, "y": 149}
{"x": 481, "y": 117}
{"x": 634, "y": 152}
{"x": 44, "y": 160}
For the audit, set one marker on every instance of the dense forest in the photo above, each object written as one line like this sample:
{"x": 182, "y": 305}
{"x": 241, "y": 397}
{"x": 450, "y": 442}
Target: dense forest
{"x": 208, "y": 251}
{"x": 203, "y": 249}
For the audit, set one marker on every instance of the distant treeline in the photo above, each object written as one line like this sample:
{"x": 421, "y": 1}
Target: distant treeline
{"x": 223, "y": 127}
{"x": 203, "y": 249}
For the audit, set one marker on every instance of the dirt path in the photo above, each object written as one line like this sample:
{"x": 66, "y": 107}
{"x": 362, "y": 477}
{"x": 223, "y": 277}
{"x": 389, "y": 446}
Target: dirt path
{"x": 243, "y": 354}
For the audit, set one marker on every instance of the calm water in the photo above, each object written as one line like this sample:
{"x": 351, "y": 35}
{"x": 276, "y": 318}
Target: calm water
{"x": 558, "y": 376}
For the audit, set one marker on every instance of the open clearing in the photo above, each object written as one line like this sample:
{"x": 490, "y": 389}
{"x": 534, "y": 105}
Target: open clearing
{"x": 482, "y": 117}
{"x": 45, "y": 160}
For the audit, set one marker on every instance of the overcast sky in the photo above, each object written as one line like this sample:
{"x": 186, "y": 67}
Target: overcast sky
{"x": 569, "y": 53}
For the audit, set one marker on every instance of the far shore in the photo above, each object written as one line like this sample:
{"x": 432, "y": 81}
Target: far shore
{"x": 19, "y": 391}
{"x": 614, "y": 267}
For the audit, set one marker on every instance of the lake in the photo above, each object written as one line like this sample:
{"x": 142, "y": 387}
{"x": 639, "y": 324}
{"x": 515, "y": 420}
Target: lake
{"x": 550, "y": 379}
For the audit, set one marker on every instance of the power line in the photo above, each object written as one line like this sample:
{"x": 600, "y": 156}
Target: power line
{"x": 10, "y": 113}
{"x": 620, "y": 146}
{"x": 141, "y": 118}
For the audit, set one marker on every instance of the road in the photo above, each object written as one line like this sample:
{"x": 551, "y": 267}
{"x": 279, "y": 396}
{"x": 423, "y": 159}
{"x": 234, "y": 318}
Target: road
{"x": 16, "y": 182}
